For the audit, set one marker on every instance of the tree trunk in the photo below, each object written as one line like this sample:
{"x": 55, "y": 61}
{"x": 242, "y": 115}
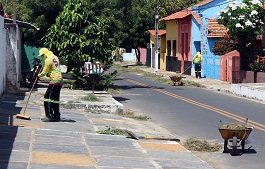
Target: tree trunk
{"x": 138, "y": 54}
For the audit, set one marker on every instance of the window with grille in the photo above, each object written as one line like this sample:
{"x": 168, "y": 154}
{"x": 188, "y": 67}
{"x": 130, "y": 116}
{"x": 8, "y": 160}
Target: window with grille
{"x": 169, "y": 47}
{"x": 174, "y": 51}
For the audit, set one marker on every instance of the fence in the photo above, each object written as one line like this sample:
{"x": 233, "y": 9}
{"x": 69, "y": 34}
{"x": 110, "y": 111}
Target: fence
{"x": 2, "y": 56}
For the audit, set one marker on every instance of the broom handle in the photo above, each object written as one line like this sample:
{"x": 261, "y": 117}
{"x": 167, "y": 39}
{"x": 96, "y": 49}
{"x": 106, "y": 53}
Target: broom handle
{"x": 29, "y": 95}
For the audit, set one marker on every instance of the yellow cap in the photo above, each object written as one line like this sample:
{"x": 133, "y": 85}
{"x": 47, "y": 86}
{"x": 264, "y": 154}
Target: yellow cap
{"x": 43, "y": 51}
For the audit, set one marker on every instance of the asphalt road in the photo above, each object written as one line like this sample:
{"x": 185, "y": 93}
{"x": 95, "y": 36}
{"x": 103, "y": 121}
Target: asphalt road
{"x": 196, "y": 112}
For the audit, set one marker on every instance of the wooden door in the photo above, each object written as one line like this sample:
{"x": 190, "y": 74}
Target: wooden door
{"x": 185, "y": 44}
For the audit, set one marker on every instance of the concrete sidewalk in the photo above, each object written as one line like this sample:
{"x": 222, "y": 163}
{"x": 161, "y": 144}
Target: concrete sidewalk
{"x": 74, "y": 143}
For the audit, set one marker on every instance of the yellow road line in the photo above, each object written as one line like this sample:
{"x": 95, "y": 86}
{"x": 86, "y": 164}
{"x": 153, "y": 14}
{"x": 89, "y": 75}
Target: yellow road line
{"x": 254, "y": 124}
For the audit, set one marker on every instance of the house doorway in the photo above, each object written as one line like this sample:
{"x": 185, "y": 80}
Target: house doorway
{"x": 184, "y": 46}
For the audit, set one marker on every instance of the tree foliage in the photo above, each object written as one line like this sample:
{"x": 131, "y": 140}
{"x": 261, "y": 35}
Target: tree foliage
{"x": 244, "y": 21}
{"x": 42, "y": 14}
{"x": 79, "y": 36}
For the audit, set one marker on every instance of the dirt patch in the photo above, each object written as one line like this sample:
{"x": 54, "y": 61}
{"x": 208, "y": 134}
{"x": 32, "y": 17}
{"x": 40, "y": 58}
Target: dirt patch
{"x": 20, "y": 124}
{"x": 62, "y": 158}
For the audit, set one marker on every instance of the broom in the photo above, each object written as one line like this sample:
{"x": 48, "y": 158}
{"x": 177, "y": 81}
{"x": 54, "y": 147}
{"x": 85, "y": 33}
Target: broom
{"x": 22, "y": 115}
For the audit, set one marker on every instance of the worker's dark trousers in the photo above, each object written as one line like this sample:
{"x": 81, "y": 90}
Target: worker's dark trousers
{"x": 198, "y": 70}
{"x": 51, "y": 101}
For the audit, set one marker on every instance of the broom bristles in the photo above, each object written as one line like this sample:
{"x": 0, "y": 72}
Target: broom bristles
{"x": 22, "y": 116}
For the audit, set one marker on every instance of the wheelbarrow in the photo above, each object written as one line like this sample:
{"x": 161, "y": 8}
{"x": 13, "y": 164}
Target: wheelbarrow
{"x": 235, "y": 134}
{"x": 176, "y": 79}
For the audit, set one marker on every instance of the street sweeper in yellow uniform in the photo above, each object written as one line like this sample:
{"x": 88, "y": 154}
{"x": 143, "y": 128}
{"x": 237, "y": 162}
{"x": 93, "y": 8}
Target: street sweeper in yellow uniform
{"x": 52, "y": 70}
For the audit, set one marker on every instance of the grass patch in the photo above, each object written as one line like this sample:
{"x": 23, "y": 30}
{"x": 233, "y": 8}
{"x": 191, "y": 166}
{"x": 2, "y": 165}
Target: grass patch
{"x": 157, "y": 78}
{"x": 137, "y": 70}
{"x": 113, "y": 91}
{"x": 191, "y": 83}
{"x": 114, "y": 131}
{"x": 140, "y": 118}
{"x": 194, "y": 144}
{"x": 90, "y": 97}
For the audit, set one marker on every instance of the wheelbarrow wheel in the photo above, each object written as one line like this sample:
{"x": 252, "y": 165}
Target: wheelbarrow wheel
{"x": 225, "y": 144}
{"x": 243, "y": 145}
{"x": 234, "y": 145}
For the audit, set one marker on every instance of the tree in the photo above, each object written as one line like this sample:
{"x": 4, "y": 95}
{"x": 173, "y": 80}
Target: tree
{"x": 78, "y": 36}
{"x": 244, "y": 22}
{"x": 40, "y": 13}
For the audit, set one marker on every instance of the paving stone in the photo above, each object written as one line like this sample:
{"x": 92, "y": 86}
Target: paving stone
{"x": 123, "y": 152}
{"x": 15, "y": 136}
{"x": 75, "y": 127}
{"x": 105, "y": 137}
{"x": 72, "y": 149}
{"x": 57, "y": 133}
{"x": 57, "y": 140}
{"x": 13, "y": 165}
{"x": 14, "y": 155}
{"x": 183, "y": 164}
{"x": 14, "y": 129}
{"x": 54, "y": 166}
{"x": 165, "y": 155}
{"x": 124, "y": 162}
{"x": 10, "y": 145}
{"x": 109, "y": 143}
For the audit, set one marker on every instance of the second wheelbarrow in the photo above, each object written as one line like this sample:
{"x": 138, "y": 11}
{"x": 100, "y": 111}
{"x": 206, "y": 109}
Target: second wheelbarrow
{"x": 236, "y": 134}
{"x": 176, "y": 79}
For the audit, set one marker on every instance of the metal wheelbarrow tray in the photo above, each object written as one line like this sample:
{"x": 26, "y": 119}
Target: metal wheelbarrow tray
{"x": 237, "y": 134}
{"x": 176, "y": 79}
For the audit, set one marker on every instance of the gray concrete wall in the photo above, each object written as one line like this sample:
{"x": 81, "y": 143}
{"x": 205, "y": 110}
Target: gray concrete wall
{"x": 2, "y": 56}
{"x": 13, "y": 58}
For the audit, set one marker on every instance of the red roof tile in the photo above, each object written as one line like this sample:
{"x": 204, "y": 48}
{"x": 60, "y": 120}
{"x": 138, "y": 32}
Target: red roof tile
{"x": 160, "y": 32}
{"x": 178, "y": 15}
{"x": 216, "y": 30}
{"x": 183, "y": 13}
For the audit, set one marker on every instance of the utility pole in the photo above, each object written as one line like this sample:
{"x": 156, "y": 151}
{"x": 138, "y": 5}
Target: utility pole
{"x": 156, "y": 38}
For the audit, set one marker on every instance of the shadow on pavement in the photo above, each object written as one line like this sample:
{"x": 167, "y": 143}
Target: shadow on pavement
{"x": 67, "y": 120}
{"x": 8, "y": 129}
{"x": 120, "y": 99}
{"x": 239, "y": 151}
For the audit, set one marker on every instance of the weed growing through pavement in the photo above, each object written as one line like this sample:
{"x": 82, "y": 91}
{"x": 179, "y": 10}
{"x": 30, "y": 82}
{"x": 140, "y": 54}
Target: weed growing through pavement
{"x": 140, "y": 118}
{"x": 90, "y": 97}
{"x": 114, "y": 131}
{"x": 191, "y": 83}
{"x": 130, "y": 114}
{"x": 194, "y": 144}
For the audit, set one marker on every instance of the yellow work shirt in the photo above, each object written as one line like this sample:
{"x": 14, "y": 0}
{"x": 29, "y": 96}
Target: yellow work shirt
{"x": 197, "y": 58}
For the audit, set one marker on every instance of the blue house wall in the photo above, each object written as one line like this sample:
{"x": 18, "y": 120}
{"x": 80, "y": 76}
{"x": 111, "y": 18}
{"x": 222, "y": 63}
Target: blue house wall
{"x": 200, "y": 40}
